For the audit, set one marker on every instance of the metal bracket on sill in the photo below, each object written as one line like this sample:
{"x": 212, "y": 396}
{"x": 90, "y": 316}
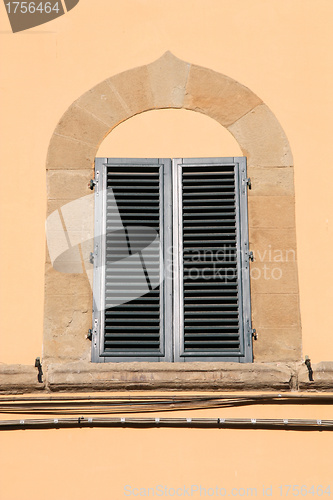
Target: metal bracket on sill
{"x": 309, "y": 367}
{"x": 40, "y": 371}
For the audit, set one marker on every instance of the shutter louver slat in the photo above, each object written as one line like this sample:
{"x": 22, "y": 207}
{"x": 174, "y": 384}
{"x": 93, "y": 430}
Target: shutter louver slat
{"x": 210, "y": 272}
{"x": 132, "y": 314}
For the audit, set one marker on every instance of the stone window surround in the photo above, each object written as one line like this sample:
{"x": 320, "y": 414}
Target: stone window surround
{"x": 172, "y": 83}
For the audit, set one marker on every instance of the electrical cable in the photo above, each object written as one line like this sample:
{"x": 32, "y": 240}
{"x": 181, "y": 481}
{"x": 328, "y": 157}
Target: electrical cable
{"x": 220, "y": 423}
{"x": 71, "y": 405}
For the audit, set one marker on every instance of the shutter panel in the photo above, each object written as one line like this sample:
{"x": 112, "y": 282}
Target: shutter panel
{"x": 211, "y": 318}
{"x": 132, "y": 316}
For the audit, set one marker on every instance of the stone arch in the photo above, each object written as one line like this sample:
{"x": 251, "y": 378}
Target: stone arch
{"x": 167, "y": 83}
{"x": 172, "y": 83}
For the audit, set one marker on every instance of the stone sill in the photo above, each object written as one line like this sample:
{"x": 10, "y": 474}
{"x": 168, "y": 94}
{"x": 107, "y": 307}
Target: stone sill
{"x": 169, "y": 376}
{"x": 322, "y": 374}
{"x": 86, "y": 376}
{"x": 18, "y": 379}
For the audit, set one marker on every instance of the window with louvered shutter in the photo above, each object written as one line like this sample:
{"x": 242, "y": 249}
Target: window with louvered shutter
{"x": 171, "y": 270}
{"x": 132, "y": 300}
{"x": 212, "y": 320}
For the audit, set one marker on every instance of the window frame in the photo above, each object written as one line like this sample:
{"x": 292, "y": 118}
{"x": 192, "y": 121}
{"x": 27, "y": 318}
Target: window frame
{"x": 171, "y": 334}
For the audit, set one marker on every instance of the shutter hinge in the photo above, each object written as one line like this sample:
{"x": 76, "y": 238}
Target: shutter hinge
{"x": 249, "y": 256}
{"x": 251, "y": 333}
{"x": 248, "y": 182}
{"x": 94, "y": 182}
{"x": 91, "y": 257}
{"x": 92, "y": 331}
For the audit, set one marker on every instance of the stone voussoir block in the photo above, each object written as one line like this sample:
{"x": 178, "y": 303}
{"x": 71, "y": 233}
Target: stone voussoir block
{"x": 218, "y": 96}
{"x": 168, "y": 76}
{"x": 262, "y": 138}
{"x": 133, "y": 90}
{"x": 65, "y": 153}
{"x": 104, "y": 103}
{"x": 79, "y": 124}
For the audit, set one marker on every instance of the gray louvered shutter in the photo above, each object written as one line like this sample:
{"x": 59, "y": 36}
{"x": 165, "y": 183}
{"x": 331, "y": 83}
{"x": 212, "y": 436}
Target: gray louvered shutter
{"x": 212, "y": 316}
{"x": 132, "y": 290}
{"x": 148, "y": 307}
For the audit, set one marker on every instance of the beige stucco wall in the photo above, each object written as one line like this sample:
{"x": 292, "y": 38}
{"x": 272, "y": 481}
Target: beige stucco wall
{"x": 281, "y": 50}
{"x": 81, "y": 464}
